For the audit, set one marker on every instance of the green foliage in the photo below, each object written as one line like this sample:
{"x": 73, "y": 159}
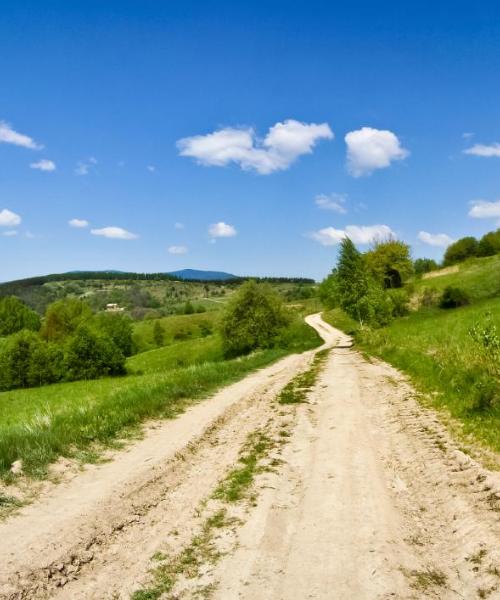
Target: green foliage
{"x": 462, "y": 249}
{"x": 424, "y": 265}
{"x": 15, "y": 315}
{"x": 15, "y": 359}
{"x": 489, "y": 244}
{"x": 390, "y": 263}
{"x": 253, "y": 318}
{"x": 89, "y": 355}
{"x": 63, "y": 318}
{"x": 400, "y": 301}
{"x": 356, "y": 291}
{"x": 158, "y": 334}
{"x": 118, "y": 328}
{"x": 453, "y": 297}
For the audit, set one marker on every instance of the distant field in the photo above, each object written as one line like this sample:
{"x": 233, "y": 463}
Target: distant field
{"x": 176, "y": 328}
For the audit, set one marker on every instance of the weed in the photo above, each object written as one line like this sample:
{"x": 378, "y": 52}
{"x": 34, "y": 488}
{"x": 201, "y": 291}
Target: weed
{"x": 296, "y": 390}
{"x": 422, "y": 580}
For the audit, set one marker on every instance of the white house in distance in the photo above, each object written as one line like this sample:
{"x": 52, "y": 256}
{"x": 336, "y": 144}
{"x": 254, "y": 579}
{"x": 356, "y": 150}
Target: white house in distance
{"x": 114, "y": 308}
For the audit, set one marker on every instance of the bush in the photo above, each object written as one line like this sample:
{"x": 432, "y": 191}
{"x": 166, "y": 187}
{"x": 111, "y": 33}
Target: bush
{"x": 15, "y": 359}
{"x": 453, "y": 297}
{"x": 253, "y": 318}
{"x": 399, "y": 299}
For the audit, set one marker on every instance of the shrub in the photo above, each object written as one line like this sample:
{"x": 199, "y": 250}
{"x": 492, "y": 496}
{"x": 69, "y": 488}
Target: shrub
{"x": 158, "y": 334}
{"x": 399, "y": 299}
{"x": 453, "y": 297}
{"x": 15, "y": 359}
{"x": 254, "y": 318}
{"x": 46, "y": 364}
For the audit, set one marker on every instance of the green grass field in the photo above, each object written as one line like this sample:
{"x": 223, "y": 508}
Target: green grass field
{"x": 479, "y": 277}
{"x": 77, "y": 419}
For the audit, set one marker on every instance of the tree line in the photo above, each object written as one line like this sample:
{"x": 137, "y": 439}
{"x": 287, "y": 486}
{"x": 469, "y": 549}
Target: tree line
{"x": 70, "y": 343}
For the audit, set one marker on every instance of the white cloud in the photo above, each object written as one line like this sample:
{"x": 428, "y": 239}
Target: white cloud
{"x": 9, "y": 218}
{"x": 486, "y": 150}
{"x": 467, "y": 135}
{"x": 483, "y": 209}
{"x": 435, "y": 239}
{"x": 177, "y": 250}
{"x": 333, "y": 202}
{"x": 221, "y": 230}
{"x": 151, "y": 168}
{"x": 179, "y": 225}
{"x": 369, "y": 149}
{"x": 83, "y": 166}
{"x": 283, "y": 144}
{"x": 44, "y": 165}
{"x": 115, "y": 233}
{"x": 359, "y": 234}
{"x": 78, "y": 223}
{"x": 9, "y": 136}
{"x": 10, "y": 233}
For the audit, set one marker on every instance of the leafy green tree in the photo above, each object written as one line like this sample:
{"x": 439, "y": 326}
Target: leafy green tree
{"x": 489, "y": 244}
{"x": 15, "y": 359}
{"x": 119, "y": 328}
{"x": 63, "y": 317}
{"x": 158, "y": 334}
{"x": 464, "y": 248}
{"x": 15, "y": 315}
{"x": 46, "y": 364}
{"x": 89, "y": 355}
{"x": 390, "y": 263}
{"x": 351, "y": 278}
{"x": 424, "y": 265}
{"x": 254, "y": 318}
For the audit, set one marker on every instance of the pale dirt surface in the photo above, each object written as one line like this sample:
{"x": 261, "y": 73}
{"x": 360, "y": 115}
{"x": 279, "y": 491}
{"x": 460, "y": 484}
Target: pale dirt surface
{"x": 372, "y": 499}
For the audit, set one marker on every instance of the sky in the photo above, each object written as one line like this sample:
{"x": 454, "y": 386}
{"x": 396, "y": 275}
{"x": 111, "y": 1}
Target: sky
{"x": 249, "y": 137}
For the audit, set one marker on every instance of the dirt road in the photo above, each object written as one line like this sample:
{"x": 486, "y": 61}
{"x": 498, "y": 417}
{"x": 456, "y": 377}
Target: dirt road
{"x": 362, "y": 495}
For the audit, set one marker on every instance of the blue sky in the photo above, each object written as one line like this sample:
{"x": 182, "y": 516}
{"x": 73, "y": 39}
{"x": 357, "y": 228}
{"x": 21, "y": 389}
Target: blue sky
{"x": 246, "y": 137}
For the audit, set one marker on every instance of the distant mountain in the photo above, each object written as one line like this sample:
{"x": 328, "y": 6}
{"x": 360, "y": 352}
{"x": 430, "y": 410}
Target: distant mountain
{"x": 195, "y": 274}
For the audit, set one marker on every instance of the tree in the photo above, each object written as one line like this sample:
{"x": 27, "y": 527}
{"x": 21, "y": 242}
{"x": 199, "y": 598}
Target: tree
{"x": 489, "y": 244}
{"x": 63, "y": 317}
{"x": 16, "y": 358}
{"x": 351, "y": 277}
{"x": 254, "y": 318}
{"x": 118, "y": 328}
{"x": 89, "y": 355}
{"x": 390, "y": 263}
{"x": 462, "y": 249}
{"x": 15, "y": 315}
{"x": 424, "y": 265}
{"x": 158, "y": 334}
